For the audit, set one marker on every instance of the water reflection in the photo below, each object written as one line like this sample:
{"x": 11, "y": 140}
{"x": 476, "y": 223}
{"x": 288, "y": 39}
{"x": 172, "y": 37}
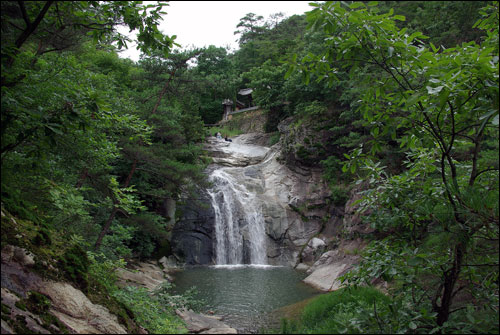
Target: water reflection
{"x": 245, "y": 294}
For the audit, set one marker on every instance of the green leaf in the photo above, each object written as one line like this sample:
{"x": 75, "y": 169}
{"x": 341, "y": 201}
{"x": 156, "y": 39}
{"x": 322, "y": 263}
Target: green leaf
{"x": 54, "y": 128}
{"x": 486, "y": 117}
{"x": 434, "y": 90}
{"x": 355, "y": 5}
{"x": 413, "y": 99}
{"x": 495, "y": 120}
{"x": 391, "y": 51}
{"x": 414, "y": 261}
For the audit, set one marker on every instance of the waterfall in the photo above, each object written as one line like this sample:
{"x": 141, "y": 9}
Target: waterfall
{"x": 239, "y": 224}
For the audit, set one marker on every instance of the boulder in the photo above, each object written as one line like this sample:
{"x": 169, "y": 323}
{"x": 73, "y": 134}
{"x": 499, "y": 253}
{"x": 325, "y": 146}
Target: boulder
{"x": 19, "y": 255}
{"x": 204, "y": 324}
{"x": 302, "y": 267}
{"x": 77, "y": 312}
{"x": 325, "y": 272}
{"x": 142, "y": 274}
{"x": 313, "y": 250}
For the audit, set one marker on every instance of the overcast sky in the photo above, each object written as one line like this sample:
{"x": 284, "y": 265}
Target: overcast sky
{"x": 204, "y": 23}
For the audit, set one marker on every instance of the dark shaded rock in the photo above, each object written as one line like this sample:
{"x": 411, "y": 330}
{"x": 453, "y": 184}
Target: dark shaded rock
{"x": 18, "y": 279}
{"x": 193, "y": 235}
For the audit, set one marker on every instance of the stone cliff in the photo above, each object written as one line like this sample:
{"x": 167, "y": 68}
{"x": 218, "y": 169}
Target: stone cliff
{"x": 304, "y": 226}
{"x": 295, "y": 204}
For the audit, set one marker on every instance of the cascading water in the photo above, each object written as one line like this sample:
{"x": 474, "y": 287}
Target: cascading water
{"x": 239, "y": 224}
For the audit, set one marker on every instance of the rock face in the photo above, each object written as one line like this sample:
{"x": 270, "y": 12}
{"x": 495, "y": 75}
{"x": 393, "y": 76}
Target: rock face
{"x": 193, "y": 235}
{"x": 23, "y": 257}
{"x": 142, "y": 274}
{"x": 69, "y": 305}
{"x": 324, "y": 274}
{"x": 293, "y": 203}
{"x": 77, "y": 312}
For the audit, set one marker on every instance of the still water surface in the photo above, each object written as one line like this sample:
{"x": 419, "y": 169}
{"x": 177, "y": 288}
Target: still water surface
{"x": 244, "y": 295}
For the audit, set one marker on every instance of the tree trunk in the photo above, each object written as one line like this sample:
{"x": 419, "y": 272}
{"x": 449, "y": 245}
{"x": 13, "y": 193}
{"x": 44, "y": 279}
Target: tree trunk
{"x": 450, "y": 279}
{"x": 163, "y": 91}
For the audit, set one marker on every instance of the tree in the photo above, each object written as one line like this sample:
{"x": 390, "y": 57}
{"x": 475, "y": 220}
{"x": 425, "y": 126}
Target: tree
{"x": 57, "y": 26}
{"x": 442, "y": 108}
{"x": 251, "y": 26}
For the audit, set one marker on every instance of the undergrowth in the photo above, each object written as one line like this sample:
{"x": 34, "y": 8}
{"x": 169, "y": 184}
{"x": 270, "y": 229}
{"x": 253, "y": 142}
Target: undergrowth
{"x": 350, "y": 311}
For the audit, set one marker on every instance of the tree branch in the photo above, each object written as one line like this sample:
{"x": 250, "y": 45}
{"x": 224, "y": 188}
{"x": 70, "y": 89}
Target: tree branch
{"x": 23, "y": 12}
{"x": 32, "y": 27}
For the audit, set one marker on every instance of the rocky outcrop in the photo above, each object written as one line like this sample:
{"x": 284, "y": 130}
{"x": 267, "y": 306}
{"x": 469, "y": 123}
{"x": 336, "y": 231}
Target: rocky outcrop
{"x": 20, "y": 255}
{"x": 305, "y": 144}
{"x": 26, "y": 322}
{"x": 295, "y": 207}
{"x": 325, "y": 272}
{"x": 204, "y": 324}
{"x": 58, "y": 305}
{"x": 248, "y": 122}
{"x": 77, "y": 312}
{"x": 242, "y": 151}
{"x": 142, "y": 274}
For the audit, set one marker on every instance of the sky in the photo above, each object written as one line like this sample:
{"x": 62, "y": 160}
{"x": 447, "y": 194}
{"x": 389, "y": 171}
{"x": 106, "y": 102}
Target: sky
{"x": 204, "y": 23}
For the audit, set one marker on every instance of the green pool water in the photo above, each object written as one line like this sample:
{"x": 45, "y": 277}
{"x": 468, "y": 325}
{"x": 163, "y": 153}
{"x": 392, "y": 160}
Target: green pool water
{"x": 244, "y": 295}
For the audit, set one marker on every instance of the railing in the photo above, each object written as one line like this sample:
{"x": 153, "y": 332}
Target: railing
{"x": 244, "y": 110}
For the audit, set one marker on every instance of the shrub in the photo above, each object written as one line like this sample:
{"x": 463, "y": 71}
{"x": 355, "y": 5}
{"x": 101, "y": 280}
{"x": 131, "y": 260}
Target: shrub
{"x": 75, "y": 265}
{"x": 274, "y": 138}
{"x": 339, "y": 195}
{"x": 149, "y": 312}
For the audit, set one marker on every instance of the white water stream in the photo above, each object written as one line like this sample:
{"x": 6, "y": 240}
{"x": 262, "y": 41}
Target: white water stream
{"x": 239, "y": 224}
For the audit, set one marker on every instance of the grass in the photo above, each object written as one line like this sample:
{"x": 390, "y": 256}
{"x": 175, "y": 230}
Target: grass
{"x": 342, "y": 311}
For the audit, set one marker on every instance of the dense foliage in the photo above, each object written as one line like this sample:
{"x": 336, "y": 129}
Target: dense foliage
{"x": 93, "y": 145}
{"x": 438, "y": 216}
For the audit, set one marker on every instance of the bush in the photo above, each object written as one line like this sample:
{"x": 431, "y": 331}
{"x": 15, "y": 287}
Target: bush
{"x": 186, "y": 300}
{"x": 149, "y": 312}
{"x": 274, "y": 139}
{"x": 339, "y": 194}
{"x": 114, "y": 244}
{"x": 75, "y": 265}
{"x": 150, "y": 232}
